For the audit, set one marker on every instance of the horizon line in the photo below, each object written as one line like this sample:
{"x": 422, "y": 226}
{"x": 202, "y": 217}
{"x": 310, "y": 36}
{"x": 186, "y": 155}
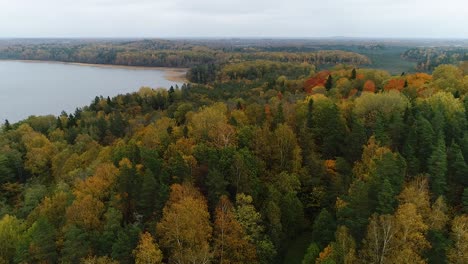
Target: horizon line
{"x": 241, "y": 37}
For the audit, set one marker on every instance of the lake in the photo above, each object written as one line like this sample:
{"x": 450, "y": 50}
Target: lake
{"x": 42, "y": 88}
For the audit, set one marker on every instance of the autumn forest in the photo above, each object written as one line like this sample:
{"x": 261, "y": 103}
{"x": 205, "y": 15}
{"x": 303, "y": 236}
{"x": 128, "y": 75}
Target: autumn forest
{"x": 271, "y": 152}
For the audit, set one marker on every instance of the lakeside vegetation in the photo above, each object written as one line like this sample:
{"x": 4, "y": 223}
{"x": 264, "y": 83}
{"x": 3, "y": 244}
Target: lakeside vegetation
{"x": 260, "y": 150}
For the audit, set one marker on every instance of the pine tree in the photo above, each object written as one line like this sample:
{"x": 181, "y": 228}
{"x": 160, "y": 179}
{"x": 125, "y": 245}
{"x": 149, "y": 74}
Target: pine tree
{"x": 310, "y": 108}
{"x": 465, "y": 200}
{"x": 425, "y": 136}
{"x": 38, "y": 245}
{"x": 59, "y": 124}
{"x": 353, "y": 74}
{"x": 356, "y": 140}
{"x": 409, "y": 152}
{"x": 127, "y": 185}
{"x": 112, "y": 221}
{"x": 457, "y": 167}
{"x": 312, "y": 254}
{"x": 385, "y": 198}
{"x": 126, "y": 241}
{"x": 147, "y": 195}
{"x": 76, "y": 245}
{"x": 117, "y": 125}
{"x": 437, "y": 167}
{"x": 323, "y": 228}
{"x": 6, "y": 126}
{"x": 279, "y": 117}
{"x": 171, "y": 96}
{"x": 329, "y": 83}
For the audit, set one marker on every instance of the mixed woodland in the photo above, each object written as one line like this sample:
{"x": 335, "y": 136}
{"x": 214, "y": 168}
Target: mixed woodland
{"x": 256, "y": 150}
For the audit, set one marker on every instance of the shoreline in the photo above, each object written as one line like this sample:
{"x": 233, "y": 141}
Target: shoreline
{"x": 170, "y": 73}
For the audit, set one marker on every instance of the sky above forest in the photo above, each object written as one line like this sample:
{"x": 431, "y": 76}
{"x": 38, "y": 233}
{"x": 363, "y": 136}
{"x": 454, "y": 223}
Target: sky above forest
{"x": 239, "y": 18}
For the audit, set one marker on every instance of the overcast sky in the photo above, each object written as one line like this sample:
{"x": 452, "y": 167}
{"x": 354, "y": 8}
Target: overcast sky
{"x": 239, "y": 18}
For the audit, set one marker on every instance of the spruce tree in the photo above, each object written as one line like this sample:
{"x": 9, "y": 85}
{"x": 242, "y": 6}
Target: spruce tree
{"x": 76, "y": 245}
{"x": 457, "y": 168}
{"x": 6, "y": 126}
{"x": 425, "y": 136}
{"x": 38, "y": 245}
{"x": 357, "y": 138}
{"x": 437, "y": 167}
{"x": 409, "y": 152}
{"x": 353, "y": 74}
{"x": 171, "y": 95}
{"x": 465, "y": 200}
{"x": 385, "y": 198}
{"x": 323, "y": 229}
{"x": 310, "y": 108}
{"x": 59, "y": 124}
{"x": 329, "y": 83}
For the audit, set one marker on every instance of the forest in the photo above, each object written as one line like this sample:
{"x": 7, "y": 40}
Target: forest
{"x": 166, "y": 53}
{"x": 429, "y": 58}
{"x": 263, "y": 157}
{"x": 392, "y": 55}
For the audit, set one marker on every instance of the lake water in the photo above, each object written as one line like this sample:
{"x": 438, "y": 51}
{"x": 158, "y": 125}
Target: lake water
{"x": 42, "y": 88}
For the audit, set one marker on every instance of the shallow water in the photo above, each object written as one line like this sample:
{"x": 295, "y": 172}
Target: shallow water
{"x": 41, "y": 88}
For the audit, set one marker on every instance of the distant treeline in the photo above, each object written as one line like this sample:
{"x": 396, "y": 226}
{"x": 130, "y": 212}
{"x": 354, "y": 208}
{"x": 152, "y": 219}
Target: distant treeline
{"x": 428, "y": 59}
{"x": 165, "y": 53}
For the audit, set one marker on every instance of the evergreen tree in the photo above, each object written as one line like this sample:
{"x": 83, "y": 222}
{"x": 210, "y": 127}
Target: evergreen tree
{"x": 59, "y": 124}
{"x": 112, "y": 221}
{"x": 381, "y": 130}
{"x": 127, "y": 185}
{"x": 457, "y": 171}
{"x": 38, "y": 245}
{"x": 353, "y": 74}
{"x": 323, "y": 229}
{"x": 310, "y": 119}
{"x": 76, "y": 245}
{"x": 216, "y": 186}
{"x": 465, "y": 200}
{"x": 171, "y": 96}
{"x": 329, "y": 83}
{"x": 312, "y": 254}
{"x": 437, "y": 167}
{"x": 101, "y": 125}
{"x": 409, "y": 152}
{"x": 425, "y": 136}
{"x": 126, "y": 241}
{"x": 279, "y": 117}
{"x": 147, "y": 195}
{"x": 117, "y": 125}
{"x": 386, "y": 198}
{"x": 357, "y": 138}
{"x": 439, "y": 246}
{"x": 6, "y": 126}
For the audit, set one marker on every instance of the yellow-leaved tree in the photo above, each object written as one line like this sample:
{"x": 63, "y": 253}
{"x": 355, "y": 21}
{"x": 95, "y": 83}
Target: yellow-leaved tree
{"x": 185, "y": 230}
{"x": 458, "y": 254}
{"x": 231, "y": 244}
{"x": 147, "y": 251}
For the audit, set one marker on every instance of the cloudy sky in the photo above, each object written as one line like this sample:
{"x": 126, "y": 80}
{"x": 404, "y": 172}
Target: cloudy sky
{"x": 236, "y": 18}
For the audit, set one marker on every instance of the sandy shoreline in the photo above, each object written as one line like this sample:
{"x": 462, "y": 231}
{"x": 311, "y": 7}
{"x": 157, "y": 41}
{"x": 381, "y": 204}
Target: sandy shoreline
{"x": 171, "y": 74}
